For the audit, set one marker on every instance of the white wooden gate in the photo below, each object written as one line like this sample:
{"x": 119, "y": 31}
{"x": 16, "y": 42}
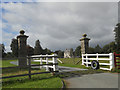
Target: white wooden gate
{"x": 87, "y": 58}
{"x": 47, "y": 59}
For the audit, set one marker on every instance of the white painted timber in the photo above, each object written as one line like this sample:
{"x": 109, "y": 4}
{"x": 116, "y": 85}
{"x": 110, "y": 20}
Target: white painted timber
{"x": 45, "y": 58}
{"x": 87, "y": 58}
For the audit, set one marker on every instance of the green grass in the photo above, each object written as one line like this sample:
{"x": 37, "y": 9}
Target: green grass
{"x": 37, "y": 81}
{"x": 44, "y": 80}
{"x": 74, "y": 62}
{"x": 6, "y": 63}
{"x": 71, "y": 62}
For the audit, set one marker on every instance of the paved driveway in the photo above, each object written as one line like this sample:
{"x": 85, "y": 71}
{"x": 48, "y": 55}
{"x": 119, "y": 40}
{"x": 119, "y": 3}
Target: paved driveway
{"x": 100, "y": 80}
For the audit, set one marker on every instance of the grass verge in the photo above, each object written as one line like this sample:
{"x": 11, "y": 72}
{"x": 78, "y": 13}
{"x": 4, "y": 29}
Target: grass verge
{"x": 37, "y": 81}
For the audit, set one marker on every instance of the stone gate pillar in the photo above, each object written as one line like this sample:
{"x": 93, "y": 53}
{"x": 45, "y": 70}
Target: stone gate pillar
{"x": 84, "y": 44}
{"x": 22, "y": 49}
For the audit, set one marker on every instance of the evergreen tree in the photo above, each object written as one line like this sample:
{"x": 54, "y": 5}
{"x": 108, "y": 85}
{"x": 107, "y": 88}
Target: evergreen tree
{"x": 108, "y": 48}
{"x": 71, "y": 52}
{"x": 14, "y": 47}
{"x": 60, "y": 54}
{"x": 98, "y": 49}
{"x": 91, "y": 50}
{"x": 9, "y": 55}
{"x": 2, "y": 51}
{"x": 38, "y": 49}
{"x": 117, "y": 36}
{"x": 78, "y": 51}
{"x": 30, "y": 50}
{"x": 47, "y": 51}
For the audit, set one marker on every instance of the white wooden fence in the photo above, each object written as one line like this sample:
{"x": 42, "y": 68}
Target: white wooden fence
{"x": 86, "y": 58}
{"x": 47, "y": 59}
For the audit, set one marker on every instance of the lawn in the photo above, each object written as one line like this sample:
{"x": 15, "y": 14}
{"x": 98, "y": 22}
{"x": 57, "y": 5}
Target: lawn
{"x": 42, "y": 80}
{"x": 6, "y": 63}
{"x": 77, "y": 62}
{"x": 37, "y": 81}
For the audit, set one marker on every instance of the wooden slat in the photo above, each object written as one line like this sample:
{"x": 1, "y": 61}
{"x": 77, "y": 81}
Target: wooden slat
{"x": 95, "y": 54}
{"x": 105, "y": 68}
{"x": 104, "y": 63}
{"x": 96, "y": 59}
{"x": 117, "y": 54}
{"x": 117, "y": 58}
{"x": 9, "y": 67}
{"x": 43, "y": 61}
{"x": 28, "y": 66}
{"x": 25, "y": 74}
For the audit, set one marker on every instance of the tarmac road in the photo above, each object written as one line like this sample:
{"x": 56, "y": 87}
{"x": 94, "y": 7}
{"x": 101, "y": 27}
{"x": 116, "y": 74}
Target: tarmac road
{"x": 100, "y": 80}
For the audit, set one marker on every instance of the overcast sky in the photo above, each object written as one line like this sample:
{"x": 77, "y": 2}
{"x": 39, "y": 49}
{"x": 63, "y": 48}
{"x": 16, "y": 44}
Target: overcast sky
{"x": 60, "y": 25}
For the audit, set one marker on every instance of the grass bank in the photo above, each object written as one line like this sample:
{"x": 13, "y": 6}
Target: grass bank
{"x": 37, "y": 81}
{"x": 76, "y": 62}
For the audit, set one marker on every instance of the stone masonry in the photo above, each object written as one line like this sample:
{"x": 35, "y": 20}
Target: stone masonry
{"x": 84, "y": 44}
{"x": 22, "y": 49}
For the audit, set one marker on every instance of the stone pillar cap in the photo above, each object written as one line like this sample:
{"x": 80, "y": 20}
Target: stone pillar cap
{"x": 84, "y": 37}
{"x": 22, "y": 34}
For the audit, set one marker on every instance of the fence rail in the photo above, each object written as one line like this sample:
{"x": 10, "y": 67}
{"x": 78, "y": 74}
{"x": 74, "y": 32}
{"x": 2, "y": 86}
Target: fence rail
{"x": 53, "y": 65}
{"x": 47, "y": 59}
{"x": 117, "y": 60}
{"x": 110, "y": 57}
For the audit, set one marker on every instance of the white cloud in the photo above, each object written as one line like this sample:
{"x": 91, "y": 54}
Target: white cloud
{"x": 61, "y": 25}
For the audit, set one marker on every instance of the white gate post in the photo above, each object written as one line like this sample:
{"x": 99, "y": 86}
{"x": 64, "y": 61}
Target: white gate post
{"x": 111, "y": 55}
{"x": 40, "y": 61}
{"x": 55, "y": 67}
{"x": 47, "y": 69}
{"x": 97, "y": 56}
{"x": 86, "y": 60}
{"x": 82, "y": 59}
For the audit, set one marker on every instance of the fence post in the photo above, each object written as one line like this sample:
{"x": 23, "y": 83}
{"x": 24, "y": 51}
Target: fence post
{"x": 53, "y": 58}
{"x": 97, "y": 56}
{"x": 86, "y": 60}
{"x": 115, "y": 59}
{"x": 47, "y": 69}
{"x": 41, "y": 61}
{"x": 82, "y": 59}
{"x": 111, "y": 56}
{"x": 55, "y": 67}
{"x": 29, "y": 62}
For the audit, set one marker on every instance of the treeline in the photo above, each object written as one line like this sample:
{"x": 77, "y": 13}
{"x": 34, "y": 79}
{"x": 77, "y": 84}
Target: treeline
{"x": 108, "y": 48}
{"x": 37, "y": 50}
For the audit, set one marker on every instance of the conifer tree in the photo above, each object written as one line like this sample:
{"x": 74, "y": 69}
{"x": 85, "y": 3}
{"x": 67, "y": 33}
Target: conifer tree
{"x": 117, "y": 36}
{"x": 14, "y": 47}
{"x": 38, "y": 49}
